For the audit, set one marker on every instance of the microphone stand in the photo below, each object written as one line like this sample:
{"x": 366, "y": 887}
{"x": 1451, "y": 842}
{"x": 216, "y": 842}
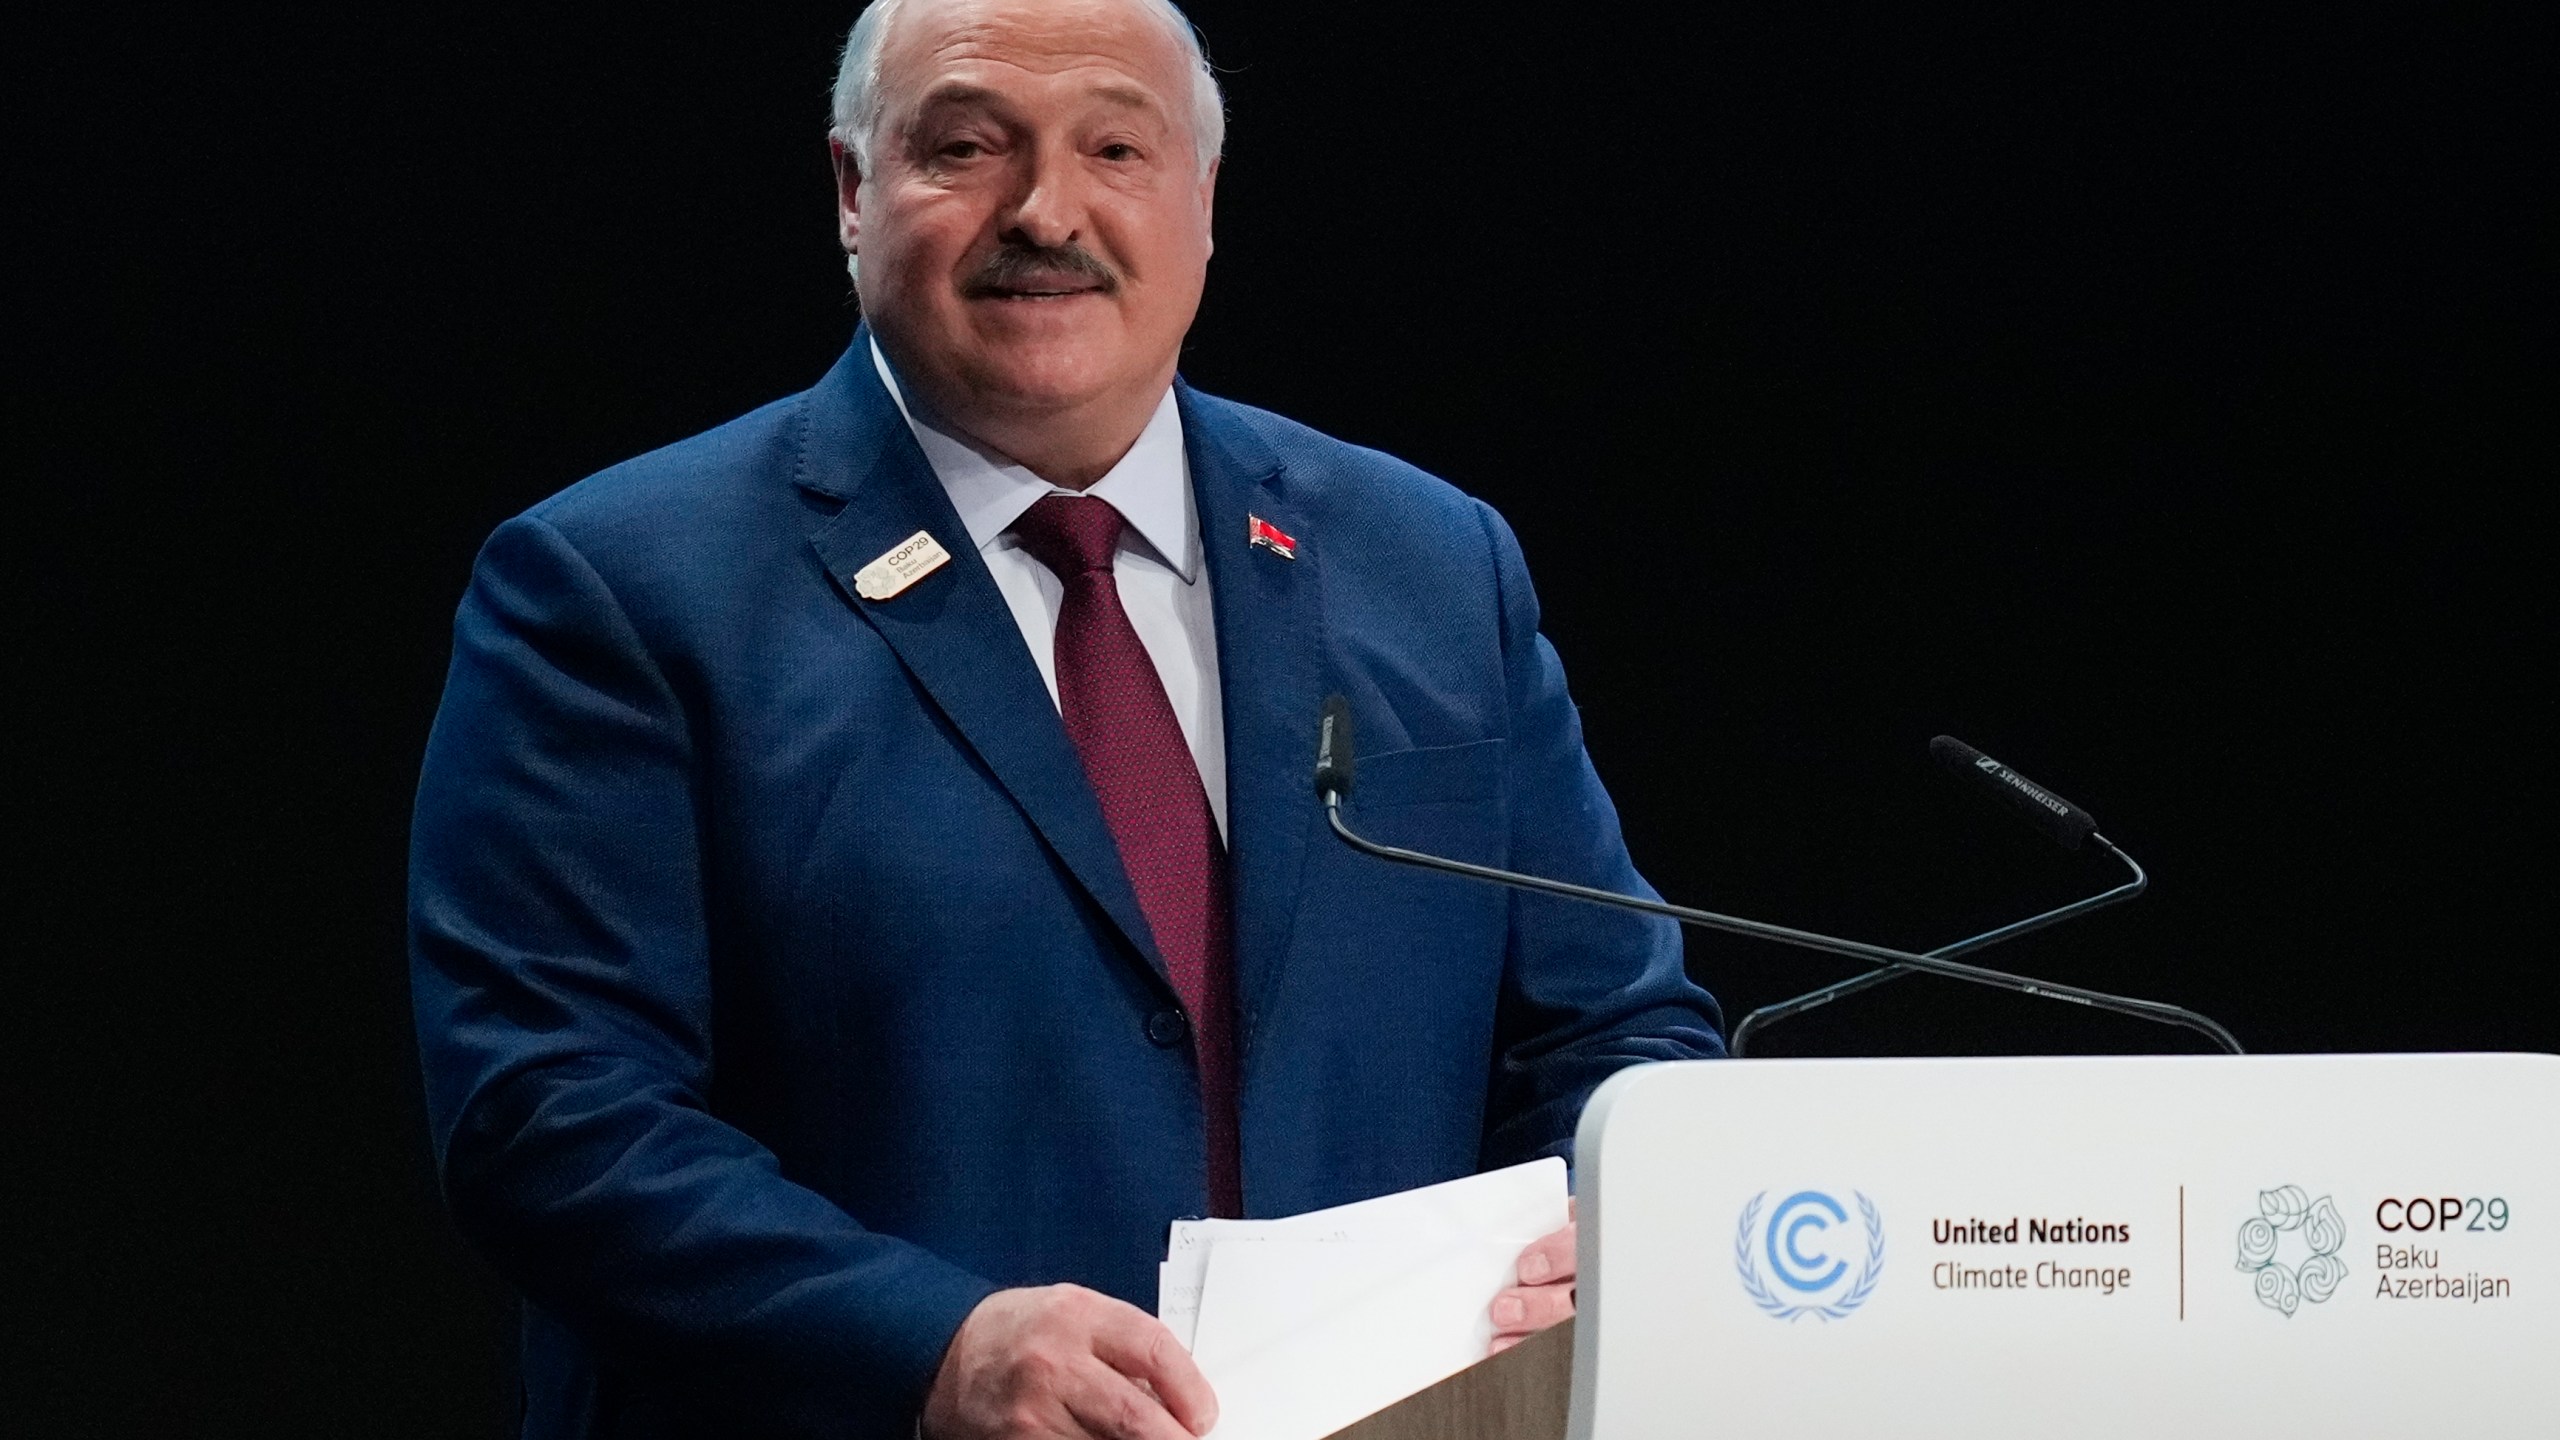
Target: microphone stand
{"x": 1775, "y": 1011}
{"x": 1889, "y": 962}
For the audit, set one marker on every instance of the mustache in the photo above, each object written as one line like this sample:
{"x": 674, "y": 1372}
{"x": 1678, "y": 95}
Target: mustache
{"x": 1014, "y": 266}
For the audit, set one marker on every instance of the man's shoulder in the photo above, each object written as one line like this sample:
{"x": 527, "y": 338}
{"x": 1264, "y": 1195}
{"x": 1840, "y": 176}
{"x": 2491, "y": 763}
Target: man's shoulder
{"x": 1341, "y": 478}
{"x": 737, "y": 472}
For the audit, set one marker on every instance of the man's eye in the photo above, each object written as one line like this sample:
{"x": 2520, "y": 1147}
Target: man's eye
{"x": 1119, "y": 152}
{"x": 961, "y": 150}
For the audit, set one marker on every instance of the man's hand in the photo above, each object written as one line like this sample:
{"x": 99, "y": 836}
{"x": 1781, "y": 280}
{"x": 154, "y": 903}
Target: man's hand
{"x": 1544, "y": 1295}
{"x": 1065, "y": 1361}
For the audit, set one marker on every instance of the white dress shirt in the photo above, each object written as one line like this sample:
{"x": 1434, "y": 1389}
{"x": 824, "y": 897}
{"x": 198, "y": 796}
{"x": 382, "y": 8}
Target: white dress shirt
{"x": 1163, "y": 583}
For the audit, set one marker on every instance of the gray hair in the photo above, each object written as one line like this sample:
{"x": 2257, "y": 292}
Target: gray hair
{"x": 858, "y": 101}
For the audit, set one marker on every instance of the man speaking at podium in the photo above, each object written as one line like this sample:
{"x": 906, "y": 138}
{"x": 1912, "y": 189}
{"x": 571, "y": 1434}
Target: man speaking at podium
{"x": 866, "y": 881}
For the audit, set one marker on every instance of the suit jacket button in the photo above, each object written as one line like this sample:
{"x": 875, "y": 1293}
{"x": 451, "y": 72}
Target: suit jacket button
{"x": 1167, "y": 1027}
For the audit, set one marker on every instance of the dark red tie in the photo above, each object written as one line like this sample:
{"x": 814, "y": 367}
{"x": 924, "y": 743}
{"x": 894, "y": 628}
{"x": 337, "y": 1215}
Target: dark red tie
{"x": 1142, "y": 771}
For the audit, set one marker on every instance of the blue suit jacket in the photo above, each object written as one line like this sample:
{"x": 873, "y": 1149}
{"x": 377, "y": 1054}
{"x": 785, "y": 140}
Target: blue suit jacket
{"x": 778, "y": 986}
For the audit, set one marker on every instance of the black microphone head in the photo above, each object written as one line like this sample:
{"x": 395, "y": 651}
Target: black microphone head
{"x": 2067, "y": 823}
{"x": 1333, "y": 748}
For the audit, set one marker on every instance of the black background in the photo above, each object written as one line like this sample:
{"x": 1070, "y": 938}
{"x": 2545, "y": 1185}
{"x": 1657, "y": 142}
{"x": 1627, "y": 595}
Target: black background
{"x": 2146, "y": 399}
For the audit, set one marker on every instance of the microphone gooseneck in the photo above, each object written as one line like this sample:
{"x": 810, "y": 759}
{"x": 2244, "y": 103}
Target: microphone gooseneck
{"x": 1777, "y": 1010}
{"x": 1332, "y": 783}
{"x": 2057, "y": 819}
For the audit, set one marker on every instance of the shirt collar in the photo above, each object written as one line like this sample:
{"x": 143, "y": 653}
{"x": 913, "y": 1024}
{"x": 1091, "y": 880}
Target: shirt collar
{"x": 1150, "y": 487}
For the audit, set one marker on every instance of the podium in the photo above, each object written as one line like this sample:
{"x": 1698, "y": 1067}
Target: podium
{"x": 2279, "y": 1246}
{"x": 1520, "y": 1394}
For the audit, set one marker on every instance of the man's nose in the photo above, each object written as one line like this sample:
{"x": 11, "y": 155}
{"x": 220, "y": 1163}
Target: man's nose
{"x": 1045, "y": 209}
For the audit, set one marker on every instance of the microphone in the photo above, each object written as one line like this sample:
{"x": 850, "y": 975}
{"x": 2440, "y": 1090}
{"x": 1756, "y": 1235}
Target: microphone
{"x": 1333, "y": 748}
{"x": 1333, "y": 780}
{"x": 2065, "y": 823}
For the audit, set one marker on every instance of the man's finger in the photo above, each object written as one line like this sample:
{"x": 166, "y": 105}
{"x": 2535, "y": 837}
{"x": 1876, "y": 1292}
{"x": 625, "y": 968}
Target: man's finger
{"x": 1527, "y": 1309}
{"x": 1110, "y": 1406}
{"x": 1549, "y": 1259}
{"x": 1139, "y": 1346}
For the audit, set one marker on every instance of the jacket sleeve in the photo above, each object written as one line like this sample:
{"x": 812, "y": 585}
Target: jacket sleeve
{"x": 1586, "y": 990}
{"x": 560, "y": 970}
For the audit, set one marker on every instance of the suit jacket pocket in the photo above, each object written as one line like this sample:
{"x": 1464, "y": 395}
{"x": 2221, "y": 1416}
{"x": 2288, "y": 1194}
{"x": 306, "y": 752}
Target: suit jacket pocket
{"x": 1447, "y": 799}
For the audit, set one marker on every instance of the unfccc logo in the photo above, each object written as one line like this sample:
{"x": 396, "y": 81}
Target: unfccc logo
{"x": 1808, "y": 1245}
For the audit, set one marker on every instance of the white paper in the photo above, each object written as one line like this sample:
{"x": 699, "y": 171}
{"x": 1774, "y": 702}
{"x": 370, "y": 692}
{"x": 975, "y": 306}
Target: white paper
{"x": 1305, "y": 1324}
{"x": 1178, "y": 1298}
{"x": 1179, "y": 1280}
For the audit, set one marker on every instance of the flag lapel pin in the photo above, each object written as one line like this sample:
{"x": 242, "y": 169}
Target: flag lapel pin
{"x": 907, "y": 562}
{"x": 1258, "y": 531}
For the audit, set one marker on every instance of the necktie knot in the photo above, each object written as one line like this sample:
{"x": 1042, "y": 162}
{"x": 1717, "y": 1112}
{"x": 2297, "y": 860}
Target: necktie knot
{"x": 1071, "y": 534}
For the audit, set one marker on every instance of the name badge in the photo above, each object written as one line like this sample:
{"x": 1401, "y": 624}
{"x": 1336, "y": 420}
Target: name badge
{"x": 911, "y": 560}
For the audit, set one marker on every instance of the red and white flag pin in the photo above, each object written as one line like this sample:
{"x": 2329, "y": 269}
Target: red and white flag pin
{"x": 1258, "y": 531}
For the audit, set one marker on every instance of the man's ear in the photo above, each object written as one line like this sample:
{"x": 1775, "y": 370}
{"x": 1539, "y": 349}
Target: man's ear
{"x": 1209, "y": 205}
{"x": 848, "y": 169}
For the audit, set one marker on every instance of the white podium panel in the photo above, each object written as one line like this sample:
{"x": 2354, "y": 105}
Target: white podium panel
{"x": 2280, "y": 1246}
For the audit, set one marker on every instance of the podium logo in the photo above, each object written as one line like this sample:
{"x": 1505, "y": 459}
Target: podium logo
{"x": 1823, "y": 1265}
{"x": 2289, "y": 1214}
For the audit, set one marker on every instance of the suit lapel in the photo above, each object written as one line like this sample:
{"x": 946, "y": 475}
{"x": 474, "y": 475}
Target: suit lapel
{"x": 952, "y": 629}
{"x": 1270, "y": 618}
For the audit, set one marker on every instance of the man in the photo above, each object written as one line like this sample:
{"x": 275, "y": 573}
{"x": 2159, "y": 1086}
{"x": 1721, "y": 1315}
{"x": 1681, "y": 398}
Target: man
{"x": 865, "y": 880}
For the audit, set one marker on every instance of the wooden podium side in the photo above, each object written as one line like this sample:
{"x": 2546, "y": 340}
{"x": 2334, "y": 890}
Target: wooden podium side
{"x": 1520, "y": 1394}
